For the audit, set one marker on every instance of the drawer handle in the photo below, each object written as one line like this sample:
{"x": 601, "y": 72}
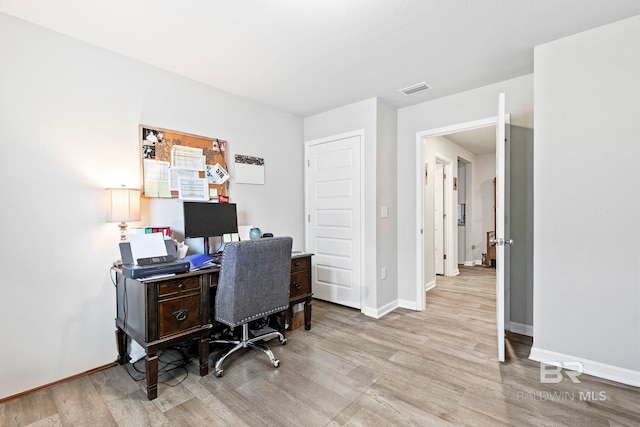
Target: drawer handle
{"x": 181, "y": 314}
{"x": 296, "y": 264}
{"x": 297, "y": 285}
{"x": 181, "y": 286}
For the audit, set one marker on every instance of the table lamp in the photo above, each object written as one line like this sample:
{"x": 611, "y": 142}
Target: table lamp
{"x": 123, "y": 204}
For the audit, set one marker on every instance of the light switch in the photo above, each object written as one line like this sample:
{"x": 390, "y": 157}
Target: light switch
{"x": 384, "y": 212}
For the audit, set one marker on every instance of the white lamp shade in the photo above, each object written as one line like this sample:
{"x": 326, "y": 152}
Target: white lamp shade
{"x": 123, "y": 204}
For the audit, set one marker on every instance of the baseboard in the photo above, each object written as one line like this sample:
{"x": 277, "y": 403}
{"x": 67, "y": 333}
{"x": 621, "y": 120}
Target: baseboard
{"x": 378, "y": 313}
{"x": 409, "y": 305}
{"x": 469, "y": 263}
{"x": 590, "y": 367}
{"x": 521, "y": 328}
{"x": 456, "y": 272}
{"x": 72, "y": 377}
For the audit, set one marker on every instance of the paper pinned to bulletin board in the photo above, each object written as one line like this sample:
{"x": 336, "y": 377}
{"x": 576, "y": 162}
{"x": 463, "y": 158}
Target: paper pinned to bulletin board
{"x": 249, "y": 170}
{"x": 169, "y": 156}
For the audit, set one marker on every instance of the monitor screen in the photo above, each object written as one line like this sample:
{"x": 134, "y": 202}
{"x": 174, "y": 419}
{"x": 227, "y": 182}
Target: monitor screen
{"x": 202, "y": 219}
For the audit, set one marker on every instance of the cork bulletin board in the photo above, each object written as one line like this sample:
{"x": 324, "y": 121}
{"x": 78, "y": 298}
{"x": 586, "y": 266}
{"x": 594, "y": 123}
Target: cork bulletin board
{"x": 172, "y": 161}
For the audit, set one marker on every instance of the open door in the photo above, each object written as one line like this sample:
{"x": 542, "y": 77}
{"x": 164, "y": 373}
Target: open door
{"x": 501, "y": 230}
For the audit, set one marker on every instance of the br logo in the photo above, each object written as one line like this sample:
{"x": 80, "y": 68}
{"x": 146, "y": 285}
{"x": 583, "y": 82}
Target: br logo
{"x": 551, "y": 372}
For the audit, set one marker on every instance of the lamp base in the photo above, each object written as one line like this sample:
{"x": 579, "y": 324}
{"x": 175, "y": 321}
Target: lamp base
{"x": 123, "y": 231}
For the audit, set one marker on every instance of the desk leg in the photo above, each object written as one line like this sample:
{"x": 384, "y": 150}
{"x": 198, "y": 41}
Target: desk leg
{"x": 203, "y": 354}
{"x": 287, "y": 318}
{"x": 282, "y": 322}
{"x": 307, "y": 314}
{"x": 151, "y": 364}
{"x": 121, "y": 340}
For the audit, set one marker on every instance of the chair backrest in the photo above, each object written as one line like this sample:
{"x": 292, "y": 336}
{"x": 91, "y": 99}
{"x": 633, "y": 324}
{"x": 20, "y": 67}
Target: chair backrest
{"x": 254, "y": 280}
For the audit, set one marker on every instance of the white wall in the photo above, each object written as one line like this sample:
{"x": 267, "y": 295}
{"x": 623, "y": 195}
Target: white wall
{"x": 386, "y": 228}
{"x": 521, "y": 229}
{"x": 484, "y": 174}
{"x": 69, "y": 114}
{"x": 462, "y": 200}
{"x": 587, "y": 262}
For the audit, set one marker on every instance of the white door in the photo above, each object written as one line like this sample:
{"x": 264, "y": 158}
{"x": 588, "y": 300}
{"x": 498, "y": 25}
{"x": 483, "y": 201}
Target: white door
{"x": 438, "y": 216}
{"x": 501, "y": 229}
{"x": 333, "y": 229}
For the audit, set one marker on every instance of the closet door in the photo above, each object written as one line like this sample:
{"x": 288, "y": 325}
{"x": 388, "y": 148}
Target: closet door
{"x": 333, "y": 206}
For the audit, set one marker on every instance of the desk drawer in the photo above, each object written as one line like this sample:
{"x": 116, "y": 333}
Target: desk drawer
{"x": 178, "y": 314}
{"x": 171, "y": 287}
{"x": 299, "y": 284}
{"x": 298, "y": 264}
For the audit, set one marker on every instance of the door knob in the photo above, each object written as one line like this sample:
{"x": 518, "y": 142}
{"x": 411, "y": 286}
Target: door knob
{"x": 501, "y": 242}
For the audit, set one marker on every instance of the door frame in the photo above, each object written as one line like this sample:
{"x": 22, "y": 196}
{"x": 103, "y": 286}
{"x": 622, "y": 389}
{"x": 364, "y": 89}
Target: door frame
{"x": 421, "y": 175}
{"x": 363, "y": 238}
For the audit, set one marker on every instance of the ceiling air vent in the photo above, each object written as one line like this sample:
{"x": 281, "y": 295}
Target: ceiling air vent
{"x": 416, "y": 88}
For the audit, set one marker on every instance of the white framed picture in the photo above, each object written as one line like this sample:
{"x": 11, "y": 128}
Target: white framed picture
{"x": 249, "y": 169}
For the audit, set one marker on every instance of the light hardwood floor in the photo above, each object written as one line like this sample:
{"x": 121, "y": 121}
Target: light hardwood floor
{"x": 431, "y": 368}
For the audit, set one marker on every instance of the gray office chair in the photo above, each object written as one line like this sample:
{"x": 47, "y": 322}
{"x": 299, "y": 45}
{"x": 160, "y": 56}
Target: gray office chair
{"x": 253, "y": 283}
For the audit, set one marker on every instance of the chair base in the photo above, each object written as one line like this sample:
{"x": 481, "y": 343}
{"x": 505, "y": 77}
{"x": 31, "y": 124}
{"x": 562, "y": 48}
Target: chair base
{"x": 247, "y": 342}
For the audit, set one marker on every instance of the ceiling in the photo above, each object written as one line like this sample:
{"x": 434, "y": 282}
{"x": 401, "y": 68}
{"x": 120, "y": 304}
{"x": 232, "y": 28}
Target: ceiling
{"x": 309, "y": 56}
{"x": 478, "y": 140}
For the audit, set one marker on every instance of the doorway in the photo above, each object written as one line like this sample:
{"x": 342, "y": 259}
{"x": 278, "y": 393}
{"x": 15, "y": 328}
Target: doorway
{"x": 430, "y": 154}
{"x": 426, "y": 155}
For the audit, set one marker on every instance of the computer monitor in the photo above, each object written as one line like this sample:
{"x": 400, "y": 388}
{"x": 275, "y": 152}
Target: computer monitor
{"x": 203, "y": 219}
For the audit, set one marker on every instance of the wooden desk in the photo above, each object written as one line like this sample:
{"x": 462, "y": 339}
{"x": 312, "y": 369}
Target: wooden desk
{"x": 300, "y": 287}
{"x": 160, "y": 312}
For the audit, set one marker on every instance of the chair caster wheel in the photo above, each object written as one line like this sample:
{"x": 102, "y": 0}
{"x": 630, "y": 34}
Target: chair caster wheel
{"x": 219, "y": 373}
{"x": 276, "y": 363}
{"x": 283, "y": 341}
